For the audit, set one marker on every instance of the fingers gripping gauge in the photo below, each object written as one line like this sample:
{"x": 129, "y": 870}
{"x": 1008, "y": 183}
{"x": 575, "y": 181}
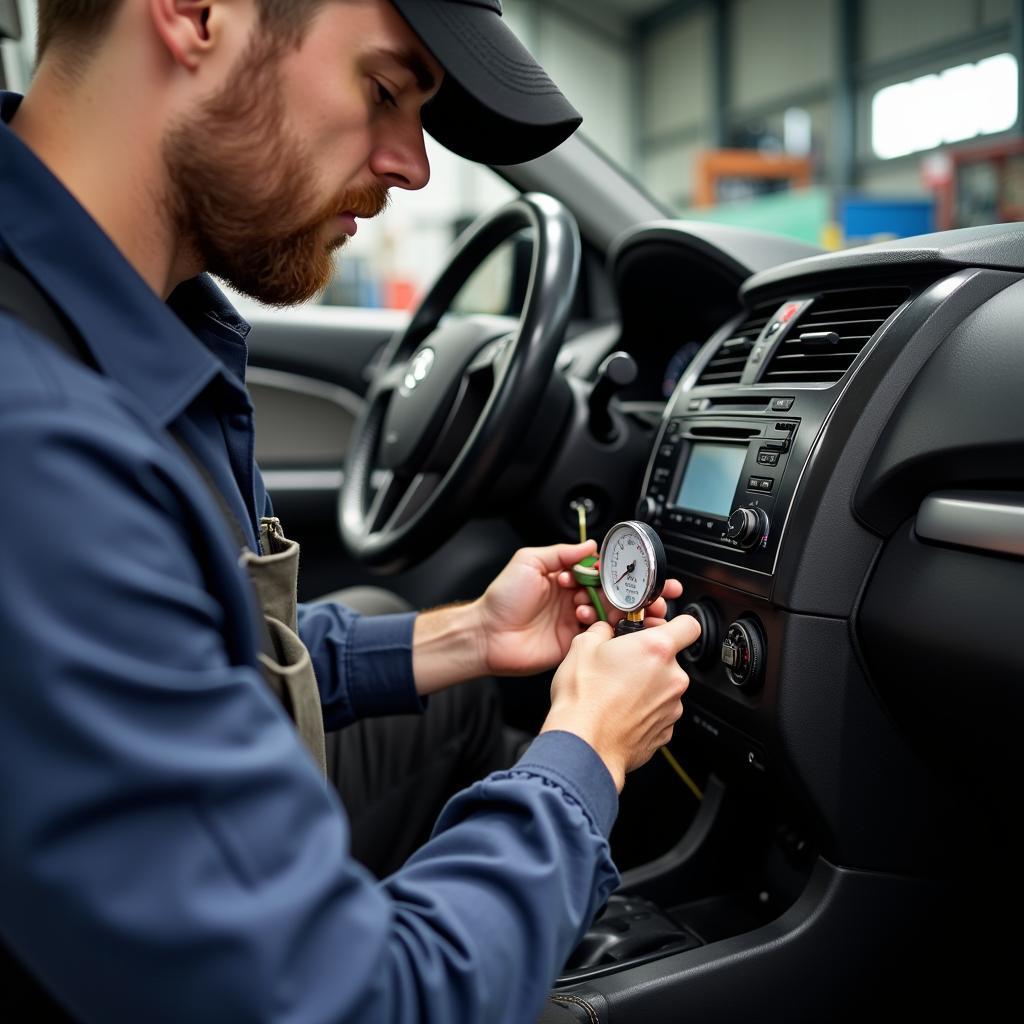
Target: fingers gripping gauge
{"x": 633, "y": 571}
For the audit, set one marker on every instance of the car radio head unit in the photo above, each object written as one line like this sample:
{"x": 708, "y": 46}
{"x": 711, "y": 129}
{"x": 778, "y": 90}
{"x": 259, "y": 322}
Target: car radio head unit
{"x": 714, "y": 483}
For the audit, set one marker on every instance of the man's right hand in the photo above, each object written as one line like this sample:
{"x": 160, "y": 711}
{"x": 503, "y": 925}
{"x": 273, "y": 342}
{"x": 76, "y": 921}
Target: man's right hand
{"x": 622, "y": 695}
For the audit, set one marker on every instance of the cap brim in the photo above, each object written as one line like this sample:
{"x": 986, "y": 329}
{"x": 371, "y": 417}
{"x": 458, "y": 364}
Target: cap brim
{"x": 496, "y": 105}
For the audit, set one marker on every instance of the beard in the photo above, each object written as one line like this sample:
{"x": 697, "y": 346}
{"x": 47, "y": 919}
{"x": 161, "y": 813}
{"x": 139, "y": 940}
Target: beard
{"x": 242, "y": 189}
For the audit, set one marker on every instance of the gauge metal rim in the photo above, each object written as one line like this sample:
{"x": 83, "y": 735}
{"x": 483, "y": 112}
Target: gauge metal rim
{"x": 640, "y": 529}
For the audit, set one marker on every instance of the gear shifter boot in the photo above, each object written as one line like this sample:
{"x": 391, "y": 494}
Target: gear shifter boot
{"x": 627, "y": 929}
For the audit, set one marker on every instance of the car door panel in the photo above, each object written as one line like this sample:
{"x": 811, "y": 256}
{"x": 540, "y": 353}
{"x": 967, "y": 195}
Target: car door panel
{"x": 308, "y": 370}
{"x": 331, "y": 344}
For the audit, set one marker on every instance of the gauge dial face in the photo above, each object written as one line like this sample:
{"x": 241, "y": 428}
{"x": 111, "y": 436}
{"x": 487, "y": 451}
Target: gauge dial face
{"x": 632, "y": 566}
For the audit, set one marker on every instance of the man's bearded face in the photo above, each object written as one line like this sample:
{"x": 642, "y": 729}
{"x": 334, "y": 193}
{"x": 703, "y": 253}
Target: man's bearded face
{"x": 244, "y": 195}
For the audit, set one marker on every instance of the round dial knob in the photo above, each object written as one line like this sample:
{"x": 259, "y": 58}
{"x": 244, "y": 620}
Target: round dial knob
{"x": 706, "y": 648}
{"x": 647, "y": 509}
{"x": 743, "y": 653}
{"x": 746, "y": 526}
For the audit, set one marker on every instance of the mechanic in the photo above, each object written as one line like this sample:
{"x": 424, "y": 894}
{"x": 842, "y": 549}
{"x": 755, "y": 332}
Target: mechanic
{"x": 170, "y": 850}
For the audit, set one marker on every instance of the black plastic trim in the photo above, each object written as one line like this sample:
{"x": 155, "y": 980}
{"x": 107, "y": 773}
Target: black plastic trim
{"x": 960, "y": 423}
{"x": 996, "y": 246}
{"x": 855, "y": 946}
{"x": 939, "y": 628}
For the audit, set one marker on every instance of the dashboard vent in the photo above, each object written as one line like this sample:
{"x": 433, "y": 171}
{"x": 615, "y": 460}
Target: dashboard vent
{"x": 823, "y": 343}
{"x": 726, "y": 365}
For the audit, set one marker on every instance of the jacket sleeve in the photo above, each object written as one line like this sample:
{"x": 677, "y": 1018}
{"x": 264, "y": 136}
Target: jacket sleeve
{"x": 169, "y": 852}
{"x": 363, "y": 664}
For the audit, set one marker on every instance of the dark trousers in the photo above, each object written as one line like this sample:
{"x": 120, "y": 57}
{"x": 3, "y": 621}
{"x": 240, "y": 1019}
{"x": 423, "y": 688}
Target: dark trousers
{"x": 395, "y": 774}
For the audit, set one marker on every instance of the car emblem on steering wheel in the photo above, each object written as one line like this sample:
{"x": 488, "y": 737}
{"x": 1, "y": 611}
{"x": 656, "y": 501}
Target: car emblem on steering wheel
{"x": 419, "y": 367}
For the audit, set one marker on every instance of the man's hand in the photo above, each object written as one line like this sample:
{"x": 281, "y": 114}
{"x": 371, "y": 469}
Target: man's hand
{"x": 532, "y": 612}
{"x": 622, "y": 695}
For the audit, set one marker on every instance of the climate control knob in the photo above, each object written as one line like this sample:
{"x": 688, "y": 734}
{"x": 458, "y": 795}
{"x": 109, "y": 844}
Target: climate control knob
{"x": 747, "y": 526}
{"x": 743, "y": 653}
{"x": 705, "y": 649}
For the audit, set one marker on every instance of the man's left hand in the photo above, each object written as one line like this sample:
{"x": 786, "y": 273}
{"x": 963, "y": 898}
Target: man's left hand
{"x": 533, "y": 609}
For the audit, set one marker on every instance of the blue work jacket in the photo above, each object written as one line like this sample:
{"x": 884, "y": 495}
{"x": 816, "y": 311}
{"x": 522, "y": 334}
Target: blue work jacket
{"x": 168, "y": 850}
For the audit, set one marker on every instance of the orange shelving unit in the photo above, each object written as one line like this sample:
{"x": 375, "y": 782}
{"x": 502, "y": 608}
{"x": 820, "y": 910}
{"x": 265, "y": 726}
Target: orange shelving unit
{"x": 715, "y": 165}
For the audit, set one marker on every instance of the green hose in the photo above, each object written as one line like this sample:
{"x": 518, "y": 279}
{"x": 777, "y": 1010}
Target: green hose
{"x": 590, "y": 579}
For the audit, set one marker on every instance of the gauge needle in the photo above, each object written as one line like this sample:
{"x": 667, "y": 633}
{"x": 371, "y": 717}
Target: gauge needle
{"x": 629, "y": 569}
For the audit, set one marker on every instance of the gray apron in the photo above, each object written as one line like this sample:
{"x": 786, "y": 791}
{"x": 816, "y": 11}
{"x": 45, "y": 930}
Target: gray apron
{"x": 286, "y": 665}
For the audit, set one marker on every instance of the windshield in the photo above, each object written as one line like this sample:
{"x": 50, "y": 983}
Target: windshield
{"x": 833, "y": 123}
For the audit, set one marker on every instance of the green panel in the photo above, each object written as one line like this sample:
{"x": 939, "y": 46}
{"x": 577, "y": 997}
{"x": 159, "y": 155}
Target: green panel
{"x": 804, "y": 213}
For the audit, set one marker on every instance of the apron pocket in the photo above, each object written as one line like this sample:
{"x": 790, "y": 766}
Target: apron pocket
{"x": 290, "y": 675}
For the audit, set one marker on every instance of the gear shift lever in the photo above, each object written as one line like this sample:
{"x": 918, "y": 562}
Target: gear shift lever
{"x": 616, "y": 372}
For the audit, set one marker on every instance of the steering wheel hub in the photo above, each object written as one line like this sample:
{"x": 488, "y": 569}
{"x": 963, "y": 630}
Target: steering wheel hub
{"x": 428, "y": 387}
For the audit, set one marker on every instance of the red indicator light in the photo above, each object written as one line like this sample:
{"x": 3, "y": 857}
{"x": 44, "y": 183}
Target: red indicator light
{"x": 789, "y": 312}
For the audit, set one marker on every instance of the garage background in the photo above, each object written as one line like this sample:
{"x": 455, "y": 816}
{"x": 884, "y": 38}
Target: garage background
{"x": 757, "y": 112}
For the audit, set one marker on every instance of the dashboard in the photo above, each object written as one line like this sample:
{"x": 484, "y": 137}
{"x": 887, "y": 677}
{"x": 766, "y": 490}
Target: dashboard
{"x": 835, "y": 475}
{"x": 829, "y": 446}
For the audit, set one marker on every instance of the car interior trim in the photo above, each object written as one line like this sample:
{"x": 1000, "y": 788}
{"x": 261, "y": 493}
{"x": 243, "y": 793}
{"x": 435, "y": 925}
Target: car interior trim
{"x": 347, "y": 400}
{"x": 280, "y": 481}
{"x": 988, "y": 521}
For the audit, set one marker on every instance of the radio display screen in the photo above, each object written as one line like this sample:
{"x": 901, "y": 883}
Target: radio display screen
{"x": 709, "y": 482}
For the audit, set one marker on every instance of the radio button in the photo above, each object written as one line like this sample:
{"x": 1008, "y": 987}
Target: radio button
{"x": 647, "y": 510}
{"x": 746, "y": 526}
{"x": 767, "y": 458}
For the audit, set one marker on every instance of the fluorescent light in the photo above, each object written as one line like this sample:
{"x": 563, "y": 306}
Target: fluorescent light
{"x": 959, "y": 103}
{"x": 997, "y": 93}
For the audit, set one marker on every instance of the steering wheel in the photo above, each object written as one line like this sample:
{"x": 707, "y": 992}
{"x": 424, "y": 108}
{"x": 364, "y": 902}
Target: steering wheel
{"x": 449, "y": 400}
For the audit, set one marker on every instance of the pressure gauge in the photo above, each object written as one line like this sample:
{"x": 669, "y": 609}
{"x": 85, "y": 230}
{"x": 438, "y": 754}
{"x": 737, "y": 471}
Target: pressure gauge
{"x": 633, "y": 570}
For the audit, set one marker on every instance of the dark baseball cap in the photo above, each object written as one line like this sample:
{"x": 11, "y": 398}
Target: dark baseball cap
{"x": 496, "y": 104}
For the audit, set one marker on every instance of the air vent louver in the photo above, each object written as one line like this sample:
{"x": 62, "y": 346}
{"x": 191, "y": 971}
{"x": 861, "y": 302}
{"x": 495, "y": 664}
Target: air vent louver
{"x": 824, "y": 342}
{"x": 726, "y": 365}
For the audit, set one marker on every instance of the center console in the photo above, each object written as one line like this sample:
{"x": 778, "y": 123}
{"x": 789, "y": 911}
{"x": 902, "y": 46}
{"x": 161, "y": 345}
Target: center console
{"x": 718, "y": 488}
{"x": 834, "y": 862}
{"x": 721, "y": 488}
